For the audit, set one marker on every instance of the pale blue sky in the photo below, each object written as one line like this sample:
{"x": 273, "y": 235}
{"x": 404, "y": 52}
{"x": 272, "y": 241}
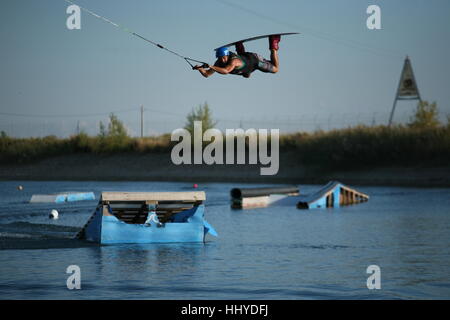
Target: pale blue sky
{"x": 336, "y": 73}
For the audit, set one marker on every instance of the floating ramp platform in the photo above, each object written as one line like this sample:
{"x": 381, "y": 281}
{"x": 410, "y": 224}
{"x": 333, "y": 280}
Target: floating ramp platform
{"x": 62, "y": 197}
{"x": 243, "y": 198}
{"x": 333, "y": 194}
{"x": 148, "y": 217}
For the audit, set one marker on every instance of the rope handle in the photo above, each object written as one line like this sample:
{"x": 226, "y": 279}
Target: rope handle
{"x": 204, "y": 65}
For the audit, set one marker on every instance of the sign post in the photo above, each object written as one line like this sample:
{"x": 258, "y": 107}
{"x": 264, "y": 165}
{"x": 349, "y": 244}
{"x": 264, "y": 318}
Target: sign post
{"x": 407, "y": 87}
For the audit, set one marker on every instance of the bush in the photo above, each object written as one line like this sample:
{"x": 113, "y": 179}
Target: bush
{"x": 350, "y": 148}
{"x": 426, "y": 116}
{"x": 372, "y": 146}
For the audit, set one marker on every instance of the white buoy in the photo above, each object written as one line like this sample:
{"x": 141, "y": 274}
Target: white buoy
{"x": 53, "y": 215}
{"x": 20, "y": 188}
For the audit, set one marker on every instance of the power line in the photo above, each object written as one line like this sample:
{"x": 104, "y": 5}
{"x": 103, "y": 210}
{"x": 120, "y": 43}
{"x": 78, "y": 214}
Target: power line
{"x": 294, "y": 123}
{"x": 317, "y": 34}
{"x": 80, "y": 115}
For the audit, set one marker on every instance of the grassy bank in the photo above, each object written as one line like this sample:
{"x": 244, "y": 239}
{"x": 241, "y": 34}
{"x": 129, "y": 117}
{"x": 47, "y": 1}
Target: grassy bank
{"x": 372, "y": 146}
{"x": 338, "y": 149}
{"x": 28, "y": 150}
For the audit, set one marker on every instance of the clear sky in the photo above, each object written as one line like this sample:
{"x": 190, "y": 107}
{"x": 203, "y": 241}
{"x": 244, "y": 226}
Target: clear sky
{"x": 336, "y": 73}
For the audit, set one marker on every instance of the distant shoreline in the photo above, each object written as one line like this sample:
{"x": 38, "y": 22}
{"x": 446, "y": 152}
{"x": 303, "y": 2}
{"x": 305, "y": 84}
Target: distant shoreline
{"x": 158, "y": 167}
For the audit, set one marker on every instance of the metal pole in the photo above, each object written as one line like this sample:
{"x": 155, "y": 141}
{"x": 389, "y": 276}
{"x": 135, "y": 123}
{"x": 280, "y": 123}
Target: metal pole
{"x": 392, "y": 112}
{"x": 396, "y": 94}
{"x": 374, "y": 121}
{"x": 142, "y": 121}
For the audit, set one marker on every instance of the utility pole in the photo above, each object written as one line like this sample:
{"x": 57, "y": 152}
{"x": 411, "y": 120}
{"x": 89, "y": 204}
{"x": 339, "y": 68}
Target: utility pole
{"x": 142, "y": 121}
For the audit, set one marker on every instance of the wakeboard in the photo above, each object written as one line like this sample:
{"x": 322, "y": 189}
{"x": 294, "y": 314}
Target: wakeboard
{"x": 256, "y": 38}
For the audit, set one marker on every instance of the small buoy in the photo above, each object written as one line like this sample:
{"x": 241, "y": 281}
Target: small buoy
{"x": 195, "y": 186}
{"x": 20, "y": 188}
{"x": 53, "y": 215}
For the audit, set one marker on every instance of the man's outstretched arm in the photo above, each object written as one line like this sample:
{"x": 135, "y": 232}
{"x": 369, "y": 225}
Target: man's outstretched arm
{"x": 227, "y": 69}
{"x": 205, "y": 72}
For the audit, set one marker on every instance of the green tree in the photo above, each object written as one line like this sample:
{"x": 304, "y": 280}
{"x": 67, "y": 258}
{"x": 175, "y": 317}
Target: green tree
{"x": 201, "y": 113}
{"x": 116, "y": 128}
{"x": 3, "y": 135}
{"x": 426, "y": 116}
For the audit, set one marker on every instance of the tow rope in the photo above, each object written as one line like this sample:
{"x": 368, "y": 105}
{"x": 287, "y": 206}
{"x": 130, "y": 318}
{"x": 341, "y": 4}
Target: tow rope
{"x": 187, "y": 59}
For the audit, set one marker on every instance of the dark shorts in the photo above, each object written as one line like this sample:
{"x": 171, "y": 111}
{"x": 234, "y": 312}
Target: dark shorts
{"x": 263, "y": 64}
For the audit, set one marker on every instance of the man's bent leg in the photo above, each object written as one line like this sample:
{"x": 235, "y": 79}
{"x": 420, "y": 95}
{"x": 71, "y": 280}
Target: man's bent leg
{"x": 273, "y": 46}
{"x": 265, "y": 65}
{"x": 274, "y": 60}
{"x": 240, "y": 48}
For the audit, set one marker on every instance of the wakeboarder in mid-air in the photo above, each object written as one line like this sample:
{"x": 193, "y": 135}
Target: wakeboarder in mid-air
{"x": 243, "y": 63}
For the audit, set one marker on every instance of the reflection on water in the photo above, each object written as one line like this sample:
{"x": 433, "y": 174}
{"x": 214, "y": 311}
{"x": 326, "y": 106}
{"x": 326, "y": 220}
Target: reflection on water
{"x": 153, "y": 258}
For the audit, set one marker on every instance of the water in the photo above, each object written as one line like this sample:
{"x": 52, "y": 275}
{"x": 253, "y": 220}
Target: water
{"x": 269, "y": 253}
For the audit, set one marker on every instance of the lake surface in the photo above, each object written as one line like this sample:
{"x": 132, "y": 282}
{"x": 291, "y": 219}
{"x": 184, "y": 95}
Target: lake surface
{"x": 278, "y": 252}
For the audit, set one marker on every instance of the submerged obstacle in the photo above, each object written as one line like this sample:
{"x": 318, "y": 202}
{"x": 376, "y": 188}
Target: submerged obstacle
{"x": 242, "y": 198}
{"x": 333, "y": 194}
{"x": 148, "y": 217}
{"x": 62, "y": 197}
